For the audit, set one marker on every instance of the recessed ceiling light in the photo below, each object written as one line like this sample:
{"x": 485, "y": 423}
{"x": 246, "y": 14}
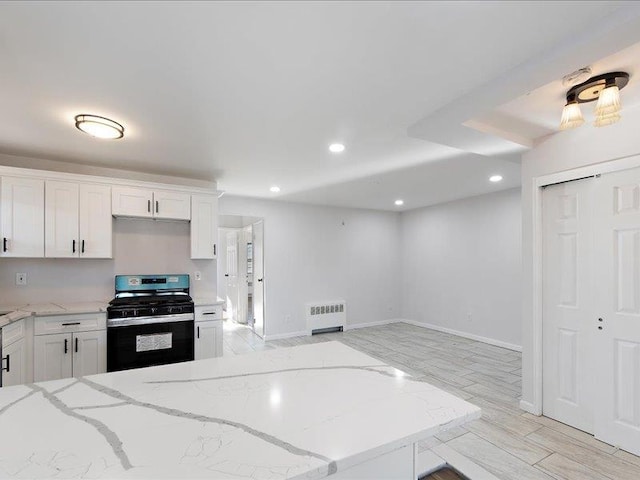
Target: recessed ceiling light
{"x": 495, "y": 178}
{"x": 275, "y": 189}
{"x": 336, "y": 148}
{"x": 99, "y": 127}
{"x": 399, "y": 202}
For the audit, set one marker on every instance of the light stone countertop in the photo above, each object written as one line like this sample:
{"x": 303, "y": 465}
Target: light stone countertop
{"x": 299, "y": 412}
{"x": 201, "y": 301}
{"x": 15, "y": 313}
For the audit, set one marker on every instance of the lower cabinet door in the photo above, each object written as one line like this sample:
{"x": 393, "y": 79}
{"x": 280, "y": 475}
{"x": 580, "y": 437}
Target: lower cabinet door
{"x": 14, "y": 363}
{"x": 52, "y": 357}
{"x": 208, "y": 339}
{"x": 89, "y": 353}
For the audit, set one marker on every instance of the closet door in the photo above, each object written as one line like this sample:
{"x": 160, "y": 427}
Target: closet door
{"x": 568, "y": 350}
{"x": 616, "y": 320}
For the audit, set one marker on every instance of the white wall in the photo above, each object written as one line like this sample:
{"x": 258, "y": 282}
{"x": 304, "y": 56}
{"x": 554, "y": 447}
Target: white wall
{"x": 316, "y": 253}
{"x": 568, "y": 150}
{"x": 461, "y": 265}
{"x": 141, "y": 246}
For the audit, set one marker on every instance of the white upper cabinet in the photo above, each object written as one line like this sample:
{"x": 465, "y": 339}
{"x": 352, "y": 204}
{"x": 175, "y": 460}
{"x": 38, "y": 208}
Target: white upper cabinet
{"x": 143, "y": 202}
{"x": 61, "y": 219}
{"x": 204, "y": 226}
{"x": 131, "y": 202}
{"x": 96, "y": 223}
{"x": 22, "y": 217}
{"x": 78, "y": 220}
{"x": 171, "y": 205}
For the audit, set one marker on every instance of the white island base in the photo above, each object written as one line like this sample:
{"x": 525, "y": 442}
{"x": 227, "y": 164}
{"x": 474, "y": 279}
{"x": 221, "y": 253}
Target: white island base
{"x": 303, "y": 412}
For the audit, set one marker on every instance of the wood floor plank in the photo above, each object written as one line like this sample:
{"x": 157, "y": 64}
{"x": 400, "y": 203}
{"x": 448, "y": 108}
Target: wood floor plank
{"x": 494, "y": 459}
{"x": 601, "y": 462}
{"x": 563, "y": 468}
{"x": 516, "y": 445}
{"x": 583, "y": 437}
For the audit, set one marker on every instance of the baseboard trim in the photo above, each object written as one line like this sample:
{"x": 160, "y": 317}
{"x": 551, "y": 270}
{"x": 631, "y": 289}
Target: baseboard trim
{"x": 372, "y": 324}
{"x": 529, "y": 407}
{"x": 470, "y": 336}
{"x": 281, "y": 336}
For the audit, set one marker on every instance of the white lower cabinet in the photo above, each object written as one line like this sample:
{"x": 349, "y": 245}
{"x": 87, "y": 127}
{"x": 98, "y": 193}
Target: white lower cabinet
{"x": 14, "y": 363}
{"x": 52, "y": 357}
{"x": 208, "y": 339}
{"x": 72, "y": 346}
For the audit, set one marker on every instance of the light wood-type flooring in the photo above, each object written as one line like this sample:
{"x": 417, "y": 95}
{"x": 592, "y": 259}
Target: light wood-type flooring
{"x": 511, "y": 444}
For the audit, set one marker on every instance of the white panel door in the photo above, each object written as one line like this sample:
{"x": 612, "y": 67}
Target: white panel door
{"x": 208, "y": 339}
{"x": 204, "y": 226}
{"x": 616, "y": 320}
{"x": 96, "y": 222}
{"x": 61, "y": 219}
{"x": 89, "y": 353}
{"x": 232, "y": 275}
{"x": 171, "y": 205}
{"x": 22, "y": 217}
{"x": 14, "y": 361}
{"x": 52, "y": 357}
{"x": 258, "y": 278}
{"x": 568, "y": 354}
{"x": 131, "y": 202}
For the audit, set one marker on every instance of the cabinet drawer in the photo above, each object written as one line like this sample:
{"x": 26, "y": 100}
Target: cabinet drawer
{"x": 70, "y": 323}
{"x": 213, "y": 312}
{"x": 12, "y": 333}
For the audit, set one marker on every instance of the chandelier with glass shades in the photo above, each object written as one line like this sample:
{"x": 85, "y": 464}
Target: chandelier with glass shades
{"x": 605, "y": 89}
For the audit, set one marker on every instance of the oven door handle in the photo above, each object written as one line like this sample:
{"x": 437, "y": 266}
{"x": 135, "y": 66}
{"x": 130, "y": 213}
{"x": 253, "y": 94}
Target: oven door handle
{"x": 127, "y": 322}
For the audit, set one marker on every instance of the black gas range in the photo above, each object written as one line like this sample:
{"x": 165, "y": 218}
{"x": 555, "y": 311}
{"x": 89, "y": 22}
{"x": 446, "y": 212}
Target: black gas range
{"x": 149, "y": 322}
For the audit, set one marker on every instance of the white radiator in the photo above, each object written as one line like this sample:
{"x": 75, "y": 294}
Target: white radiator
{"x": 326, "y": 316}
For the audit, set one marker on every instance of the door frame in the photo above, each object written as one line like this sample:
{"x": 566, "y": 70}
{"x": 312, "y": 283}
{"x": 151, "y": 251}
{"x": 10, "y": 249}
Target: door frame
{"x": 538, "y": 183}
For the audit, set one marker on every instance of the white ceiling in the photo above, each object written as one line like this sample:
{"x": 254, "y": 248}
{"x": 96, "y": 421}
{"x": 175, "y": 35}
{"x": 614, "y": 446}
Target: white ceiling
{"x": 251, "y": 93}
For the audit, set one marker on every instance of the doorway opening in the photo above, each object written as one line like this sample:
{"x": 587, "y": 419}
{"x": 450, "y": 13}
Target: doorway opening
{"x": 241, "y": 270}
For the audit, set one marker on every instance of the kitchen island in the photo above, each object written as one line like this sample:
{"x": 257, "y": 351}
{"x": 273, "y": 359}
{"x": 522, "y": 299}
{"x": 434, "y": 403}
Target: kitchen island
{"x": 301, "y": 412}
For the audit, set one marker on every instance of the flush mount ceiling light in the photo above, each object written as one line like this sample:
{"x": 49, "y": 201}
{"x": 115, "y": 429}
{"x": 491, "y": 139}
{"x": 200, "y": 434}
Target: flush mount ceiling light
{"x": 336, "y": 148}
{"x": 399, "y": 202}
{"x": 99, "y": 127}
{"x": 495, "y": 178}
{"x": 605, "y": 89}
{"x": 274, "y": 189}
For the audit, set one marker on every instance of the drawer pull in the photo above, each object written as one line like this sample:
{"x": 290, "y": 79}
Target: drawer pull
{"x": 208, "y": 313}
{"x": 68, "y": 324}
{"x": 8, "y": 359}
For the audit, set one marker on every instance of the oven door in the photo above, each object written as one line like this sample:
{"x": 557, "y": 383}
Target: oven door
{"x": 147, "y": 344}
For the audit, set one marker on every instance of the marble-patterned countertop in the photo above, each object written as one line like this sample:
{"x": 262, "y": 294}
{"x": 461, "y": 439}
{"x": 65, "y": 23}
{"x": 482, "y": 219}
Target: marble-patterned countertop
{"x": 18, "y": 312}
{"x": 201, "y": 301}
{"x": 299, "y": 412}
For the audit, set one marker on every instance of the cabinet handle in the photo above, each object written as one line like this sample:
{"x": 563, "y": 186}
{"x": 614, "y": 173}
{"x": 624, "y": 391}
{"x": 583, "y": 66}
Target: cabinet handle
{"x": 70, "y": 323}
{"x": 149, "y": 206}
{"x": 208, "y": 313}
{"x": 82, "y": 249}
{"x": 198, "y": 331}
{"x": 66, "y": 346}
{"x": 73, "y": 247}
{"x": 8, "y": 359}
{"x": 259, "y": 279}
{"x": 214, "y": 249}
{"x": 76, "y": 344}
{"x": 157, "y": 207}
{"x": 4, "y": 244}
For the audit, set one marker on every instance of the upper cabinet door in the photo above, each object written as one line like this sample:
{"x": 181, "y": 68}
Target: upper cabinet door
{"x": 171, "y": 205}
{"x": 204, "y": 226}
{"x": 96, "y": 223}
{"x": 22, "y": 217}
{"x": 61, "y": 219}
{"x": 131, "y": 202}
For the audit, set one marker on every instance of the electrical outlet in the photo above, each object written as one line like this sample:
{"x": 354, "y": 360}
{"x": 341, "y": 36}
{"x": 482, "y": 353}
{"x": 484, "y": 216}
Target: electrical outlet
{"x": 198, "y": 275}
{"x": 21, "y": 278}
